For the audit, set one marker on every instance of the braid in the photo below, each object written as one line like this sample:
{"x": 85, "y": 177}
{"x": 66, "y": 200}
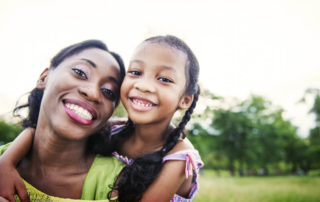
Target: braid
{"x": 174, "y": 136}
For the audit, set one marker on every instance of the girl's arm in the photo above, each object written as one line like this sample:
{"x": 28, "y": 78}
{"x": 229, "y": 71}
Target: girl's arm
{"x": 10, "y": 180}
{"x": 168, "y": 182}
{"x": 171, "y": 179}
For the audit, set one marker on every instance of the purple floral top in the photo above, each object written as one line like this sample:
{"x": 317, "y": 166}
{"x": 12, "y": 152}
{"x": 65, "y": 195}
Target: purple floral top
{"x": 193, "y": 165}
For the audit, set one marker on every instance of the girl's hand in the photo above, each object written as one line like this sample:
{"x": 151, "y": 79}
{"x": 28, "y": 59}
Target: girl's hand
{"x": 11, "y": 183}
{"x": 10, "y": 180}
{"x": 3, "y": 199}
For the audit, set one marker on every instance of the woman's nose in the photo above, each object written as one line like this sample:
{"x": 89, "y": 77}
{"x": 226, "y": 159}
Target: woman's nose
{"x": 91, "y": 93}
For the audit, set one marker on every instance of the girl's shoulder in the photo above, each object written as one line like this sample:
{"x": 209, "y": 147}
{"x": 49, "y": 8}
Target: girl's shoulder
{"x": 182, "y": 144}
{"x": 184, "y": 151}
{"x": 116, "y": 126}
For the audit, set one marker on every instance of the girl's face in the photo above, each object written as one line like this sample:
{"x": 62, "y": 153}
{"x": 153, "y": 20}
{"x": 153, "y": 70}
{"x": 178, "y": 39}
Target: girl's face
{"x": 80, "y": 94}
{"x": 153, "y": 88}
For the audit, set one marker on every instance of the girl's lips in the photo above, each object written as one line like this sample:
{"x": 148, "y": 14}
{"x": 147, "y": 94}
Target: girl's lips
{"x": 142, "y": 100}
{"x": 141, "y": 104}
{"x": 75, "y": 116}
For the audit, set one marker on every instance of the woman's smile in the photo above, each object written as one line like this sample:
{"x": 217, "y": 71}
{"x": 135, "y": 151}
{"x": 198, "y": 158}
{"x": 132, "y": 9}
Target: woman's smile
{"x": 79, "y": 111}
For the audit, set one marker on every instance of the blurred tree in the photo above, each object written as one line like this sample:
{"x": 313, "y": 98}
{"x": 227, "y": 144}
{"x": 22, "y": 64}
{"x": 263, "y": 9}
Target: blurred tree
{"x": 253, "y": 134}
{"x": 314, "y": 134}
{"x": 8, "y": 132}
{"x": 120, "y": 112}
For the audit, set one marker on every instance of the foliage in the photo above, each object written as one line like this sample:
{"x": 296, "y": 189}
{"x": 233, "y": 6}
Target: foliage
{"x": 250, "y": 136}
{"x": 8, "y": 132}
{"x": 314, "y": 136}
{"x": 120, "y": 111}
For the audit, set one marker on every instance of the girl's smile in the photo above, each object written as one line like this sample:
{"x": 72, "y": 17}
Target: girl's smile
{"x": 141, "y": 104}
{"x": 154, "y": 84}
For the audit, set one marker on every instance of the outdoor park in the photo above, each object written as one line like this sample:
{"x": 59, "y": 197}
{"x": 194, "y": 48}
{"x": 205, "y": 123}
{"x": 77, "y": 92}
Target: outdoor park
{"x": 250, "y": 152}
{"x": 257, "y": 122}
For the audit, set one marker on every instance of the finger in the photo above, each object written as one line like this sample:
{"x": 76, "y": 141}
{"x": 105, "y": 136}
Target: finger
{"x": 2, "y": 199}
{"x": 22, "y": 192}
{"x": 11, "y": 198}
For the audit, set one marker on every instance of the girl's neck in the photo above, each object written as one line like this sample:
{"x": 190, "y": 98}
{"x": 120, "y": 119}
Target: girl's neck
{"x": 146, "y": 139}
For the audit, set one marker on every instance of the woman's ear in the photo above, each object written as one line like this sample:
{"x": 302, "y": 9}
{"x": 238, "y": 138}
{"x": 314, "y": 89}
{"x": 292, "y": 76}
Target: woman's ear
{"x": 41, "y": 83}
{"x": 185, "y": 102}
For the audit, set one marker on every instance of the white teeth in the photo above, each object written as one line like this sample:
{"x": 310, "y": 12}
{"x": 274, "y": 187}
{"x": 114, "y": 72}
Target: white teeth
{"x": 138, "y": 102}
{"x": 83, "y": 113}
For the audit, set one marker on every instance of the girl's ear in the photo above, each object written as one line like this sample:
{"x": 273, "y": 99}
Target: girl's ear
{"x": 185, "y": 102}
{"x": 41, "y": 83}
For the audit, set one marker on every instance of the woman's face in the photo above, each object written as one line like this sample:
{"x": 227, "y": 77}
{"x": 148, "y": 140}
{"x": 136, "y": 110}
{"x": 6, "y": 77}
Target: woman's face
{"x": 80, "y": 94}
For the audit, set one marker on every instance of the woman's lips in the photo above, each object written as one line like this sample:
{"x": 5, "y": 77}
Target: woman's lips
{"x": 80, "y": 111}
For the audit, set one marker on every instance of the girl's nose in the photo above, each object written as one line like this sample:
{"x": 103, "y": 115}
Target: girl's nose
{"x": 144, "y": 85}
{"x": 91, "y": 93}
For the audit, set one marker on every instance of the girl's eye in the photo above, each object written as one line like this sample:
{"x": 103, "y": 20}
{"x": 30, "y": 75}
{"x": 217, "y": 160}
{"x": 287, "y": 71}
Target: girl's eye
{"x": 135, "y": 73}
{"x": 109, "y": 94}
{"x": 80, "y": 73}
{"x": 166, "y": 80}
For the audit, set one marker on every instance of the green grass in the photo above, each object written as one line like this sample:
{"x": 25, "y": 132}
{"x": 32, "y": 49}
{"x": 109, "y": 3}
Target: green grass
{"x": 258, "y": 189}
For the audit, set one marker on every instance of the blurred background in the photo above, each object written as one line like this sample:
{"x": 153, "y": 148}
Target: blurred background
{"x": 257, "y": 124}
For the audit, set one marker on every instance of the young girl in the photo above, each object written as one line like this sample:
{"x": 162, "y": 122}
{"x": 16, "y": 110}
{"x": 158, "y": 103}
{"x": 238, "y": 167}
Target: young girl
{"x": 162, "y": 164}
{"x": 161, "y": 78}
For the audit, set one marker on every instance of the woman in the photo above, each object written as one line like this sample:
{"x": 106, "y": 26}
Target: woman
{"x": 69, "y": 108}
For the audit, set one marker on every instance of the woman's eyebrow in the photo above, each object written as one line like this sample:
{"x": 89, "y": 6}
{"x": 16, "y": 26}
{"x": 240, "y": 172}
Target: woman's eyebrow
{"x": 110, "y": 78}
{"x": 90, "y": 62}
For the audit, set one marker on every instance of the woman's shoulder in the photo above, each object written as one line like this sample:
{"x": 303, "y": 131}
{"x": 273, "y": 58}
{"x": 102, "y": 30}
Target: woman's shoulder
{"x": 100, "y": 177}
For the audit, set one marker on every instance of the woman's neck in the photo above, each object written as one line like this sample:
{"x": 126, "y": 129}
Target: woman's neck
{"x": 55, "y": 165}
{"x": 50, "y": 149}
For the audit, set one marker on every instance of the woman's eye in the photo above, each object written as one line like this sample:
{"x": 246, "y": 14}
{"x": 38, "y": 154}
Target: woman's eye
{"x": 80, "y": 73}
{"x": 135, "y": 73}
{"x": 109, "y": 94}
{"x": 166, "y": 80}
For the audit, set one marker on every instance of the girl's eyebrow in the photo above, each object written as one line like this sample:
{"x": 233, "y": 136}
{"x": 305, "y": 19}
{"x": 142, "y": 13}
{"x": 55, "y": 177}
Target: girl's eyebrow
{"x": 137, "y": 61}
{"x": 90, "y": 62}
{"x": 167, "y": 68}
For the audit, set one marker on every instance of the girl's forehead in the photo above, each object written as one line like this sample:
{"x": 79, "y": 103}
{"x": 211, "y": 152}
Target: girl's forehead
{"x": 154, "y": 52}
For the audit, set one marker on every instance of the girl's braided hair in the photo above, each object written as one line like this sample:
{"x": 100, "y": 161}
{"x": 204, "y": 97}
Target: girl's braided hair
{"x": 137, "y": 177}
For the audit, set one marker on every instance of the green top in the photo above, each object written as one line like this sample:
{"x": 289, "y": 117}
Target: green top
{"x": 101, "y": 175}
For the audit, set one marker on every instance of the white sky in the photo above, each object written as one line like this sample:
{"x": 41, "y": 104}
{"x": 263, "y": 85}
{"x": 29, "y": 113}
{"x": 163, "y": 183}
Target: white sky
{"x": 270, "y": 48}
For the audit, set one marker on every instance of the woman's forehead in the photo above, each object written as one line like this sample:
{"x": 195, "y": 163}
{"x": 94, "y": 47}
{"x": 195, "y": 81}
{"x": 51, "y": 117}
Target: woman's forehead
{"x": 96, "y": 57}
